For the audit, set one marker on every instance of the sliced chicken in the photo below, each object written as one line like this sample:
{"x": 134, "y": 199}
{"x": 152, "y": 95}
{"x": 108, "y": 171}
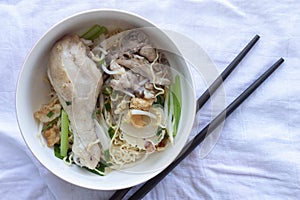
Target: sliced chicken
{"x": 128, "y": 42}
{"x": 77, "y": 81}
{"x": 157, "y": 73}
{"x": 148, "y": 52}
{"x": 132, "y": 49}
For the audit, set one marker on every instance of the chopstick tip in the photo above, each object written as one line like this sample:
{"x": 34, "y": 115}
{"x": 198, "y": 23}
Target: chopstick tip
{"x": 281, "y": 60}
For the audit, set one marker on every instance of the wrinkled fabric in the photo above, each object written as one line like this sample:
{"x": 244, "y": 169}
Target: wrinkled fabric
{"x": 257, "y": 155}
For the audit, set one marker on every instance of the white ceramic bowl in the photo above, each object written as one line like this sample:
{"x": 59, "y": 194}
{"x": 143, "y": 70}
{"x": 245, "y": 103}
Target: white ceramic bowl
{"x": 32, "y": 92}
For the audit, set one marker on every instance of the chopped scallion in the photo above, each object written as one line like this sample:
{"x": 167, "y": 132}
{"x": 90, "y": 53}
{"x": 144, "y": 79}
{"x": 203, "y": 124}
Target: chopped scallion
{"x": 99, "y": 170}
{"x": 160, "y": 100}
{"x": 159, "y": 132}
{"x": 50, "y": 114}
{"x": 111, "y": 132}
{"x": 94, "y": 32}
{"x": 101, "y": 62}
{"x": 98, "y": 112}
{"x": 107, "y": 90}
{"x": 64, "y": 142}
{"x": 107, "y": 155}
{"x": 107, "y": 106}
{"x": 176, "y": 96}
{"x": 176, "y": 113}
{"x": 50, "y": 124}
{"x": 57, "y": 154}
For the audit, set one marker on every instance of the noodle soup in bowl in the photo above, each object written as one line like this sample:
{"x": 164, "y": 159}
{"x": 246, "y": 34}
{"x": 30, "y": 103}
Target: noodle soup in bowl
{"x": 172, "y": 109}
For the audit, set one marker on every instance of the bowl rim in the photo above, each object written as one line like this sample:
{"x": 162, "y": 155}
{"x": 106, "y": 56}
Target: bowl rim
{"x": 17, "y": 98}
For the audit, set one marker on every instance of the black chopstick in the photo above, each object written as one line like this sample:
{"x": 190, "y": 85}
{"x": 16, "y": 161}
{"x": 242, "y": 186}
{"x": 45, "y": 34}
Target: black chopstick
{"x": 119, "y": 194}
{"x": 214, "y": 86}
{"x": 207, "y": 130}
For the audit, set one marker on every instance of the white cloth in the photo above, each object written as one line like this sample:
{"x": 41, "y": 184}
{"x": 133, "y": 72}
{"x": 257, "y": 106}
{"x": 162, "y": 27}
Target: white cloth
{"x": 257, "y": 155}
